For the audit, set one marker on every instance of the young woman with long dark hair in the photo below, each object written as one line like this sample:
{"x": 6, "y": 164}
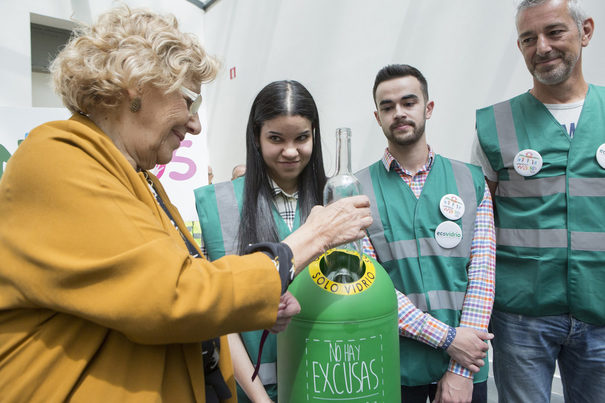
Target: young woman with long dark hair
{"x": 284, "y": 179}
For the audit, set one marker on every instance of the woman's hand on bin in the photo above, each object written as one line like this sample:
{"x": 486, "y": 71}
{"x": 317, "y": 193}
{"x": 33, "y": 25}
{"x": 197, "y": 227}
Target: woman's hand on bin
{"x": 288, "y": 307}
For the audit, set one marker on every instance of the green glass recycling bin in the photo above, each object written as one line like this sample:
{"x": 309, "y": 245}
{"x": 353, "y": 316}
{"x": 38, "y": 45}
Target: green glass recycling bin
{"x": 344, "y": 345}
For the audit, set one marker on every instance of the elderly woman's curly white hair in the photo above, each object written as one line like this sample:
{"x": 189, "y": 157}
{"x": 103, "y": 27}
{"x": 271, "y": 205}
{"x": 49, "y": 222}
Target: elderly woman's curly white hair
{"x": 127, "y": 49}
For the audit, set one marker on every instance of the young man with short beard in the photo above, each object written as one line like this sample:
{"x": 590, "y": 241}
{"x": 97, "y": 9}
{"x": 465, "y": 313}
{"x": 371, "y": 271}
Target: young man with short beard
{"x": 433, "y": 232}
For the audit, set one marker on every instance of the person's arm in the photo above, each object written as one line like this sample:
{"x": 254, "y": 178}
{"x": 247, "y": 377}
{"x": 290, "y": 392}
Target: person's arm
{"x": 243, "y": 369}
{"x": 479, "y": 298}
{"x": 453, "y": 388}
{"x": 423, "y": 327}
{"x": 94, "y": 244}
{"x": 418, "y": 325}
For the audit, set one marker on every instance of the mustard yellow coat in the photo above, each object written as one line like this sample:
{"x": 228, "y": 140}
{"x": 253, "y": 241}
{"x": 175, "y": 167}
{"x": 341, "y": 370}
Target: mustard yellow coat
{"x": 99, "y": 298}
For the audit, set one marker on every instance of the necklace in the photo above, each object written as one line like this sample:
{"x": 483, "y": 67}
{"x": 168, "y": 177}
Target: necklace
{"x": 147, "y": 178}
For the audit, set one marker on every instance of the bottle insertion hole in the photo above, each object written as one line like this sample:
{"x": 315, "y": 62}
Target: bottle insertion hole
{"x": 342, "y": 266}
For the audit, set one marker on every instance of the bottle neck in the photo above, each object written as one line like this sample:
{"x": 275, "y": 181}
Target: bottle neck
{"x": 343, "y": 147}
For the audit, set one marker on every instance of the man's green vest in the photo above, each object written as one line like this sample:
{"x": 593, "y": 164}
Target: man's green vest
{"x": 550, "y": 226}
{"x": 219, "y": 207}
{"x": 403, "y": 235}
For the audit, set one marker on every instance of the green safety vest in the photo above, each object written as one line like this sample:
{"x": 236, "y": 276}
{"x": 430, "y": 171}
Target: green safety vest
{"x": 433, "y": 278}
{"x": 219, "y": 207}
{"x": 550, "y": 226}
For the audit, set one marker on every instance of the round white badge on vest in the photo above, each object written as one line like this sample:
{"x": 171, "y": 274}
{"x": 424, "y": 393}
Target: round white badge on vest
{"x": 527, "y": 162}
{"x": 448, "y": 234}
{"x": 452, "y": 206}
{"x": 601, "y": 155}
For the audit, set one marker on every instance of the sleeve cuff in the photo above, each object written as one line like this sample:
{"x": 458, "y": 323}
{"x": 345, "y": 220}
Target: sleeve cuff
{"x": 451, "y": 335}
{"x": 458, "y": 369}
{"x": 282, "y": 257}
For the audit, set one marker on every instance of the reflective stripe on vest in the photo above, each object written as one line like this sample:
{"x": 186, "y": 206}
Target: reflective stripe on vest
{"x": 386, "y": 251}
{"x": 589, "y": 241}
{"x": 551, "y": 238}
{"x": 229, "y": 215}
{"x": 519, "y": 187}
{"x": 532, "y": 238}
{"x": 268, "y": 373}
{"x": 466, "y": 189}
{"x": 438, "y": 300}
{"x": 587, "y": 187}
{"x": 507, "y": 135}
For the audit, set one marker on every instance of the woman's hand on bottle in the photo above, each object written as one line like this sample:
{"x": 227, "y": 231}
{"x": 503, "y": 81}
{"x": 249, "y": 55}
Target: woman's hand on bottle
{"x": 341, "y": 222}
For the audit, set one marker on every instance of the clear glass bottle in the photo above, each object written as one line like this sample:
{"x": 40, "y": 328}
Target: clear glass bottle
{"x": 343, "y": 266}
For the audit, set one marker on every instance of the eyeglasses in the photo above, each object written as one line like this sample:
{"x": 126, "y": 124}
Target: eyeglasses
{"x": 196, "y": 100}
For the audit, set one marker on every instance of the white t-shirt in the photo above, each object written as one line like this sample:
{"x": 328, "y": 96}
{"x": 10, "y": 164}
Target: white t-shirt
{"x": 566, "y": 114}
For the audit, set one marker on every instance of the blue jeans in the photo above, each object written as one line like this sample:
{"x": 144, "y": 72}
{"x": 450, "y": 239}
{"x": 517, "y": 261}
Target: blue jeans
{"x": 526, "y": 349}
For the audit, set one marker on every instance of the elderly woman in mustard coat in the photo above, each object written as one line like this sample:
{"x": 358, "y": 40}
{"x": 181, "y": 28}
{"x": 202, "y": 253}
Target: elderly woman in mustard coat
{"x": 103, "y": 293}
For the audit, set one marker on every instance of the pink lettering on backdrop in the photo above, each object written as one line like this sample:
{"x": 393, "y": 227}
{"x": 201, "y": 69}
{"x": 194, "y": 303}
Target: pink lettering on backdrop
{"x": 190, "y": 166}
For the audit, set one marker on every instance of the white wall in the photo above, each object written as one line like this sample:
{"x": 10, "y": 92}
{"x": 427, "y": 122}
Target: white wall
{"x": 465, "y": 48}
{"x": 15, "y": 43}
{"x": 43, "y": 94}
